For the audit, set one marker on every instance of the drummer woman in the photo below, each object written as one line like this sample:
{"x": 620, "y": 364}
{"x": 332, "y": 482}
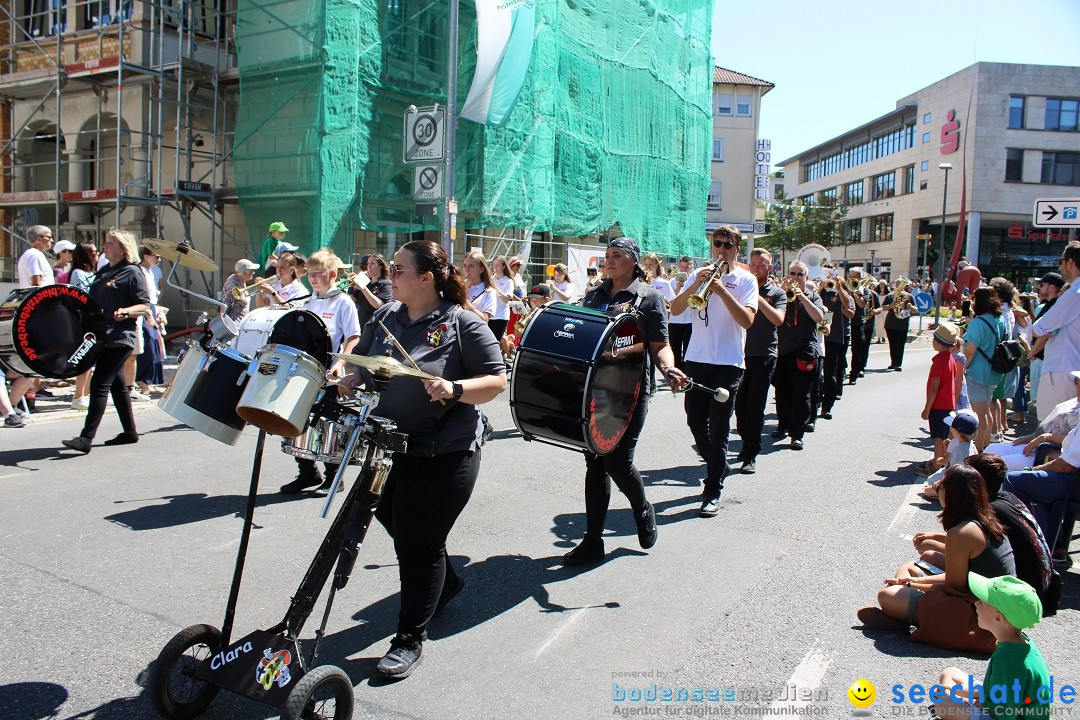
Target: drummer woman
{"x": 430, "y": 485}
{"x": 120, "y": 291}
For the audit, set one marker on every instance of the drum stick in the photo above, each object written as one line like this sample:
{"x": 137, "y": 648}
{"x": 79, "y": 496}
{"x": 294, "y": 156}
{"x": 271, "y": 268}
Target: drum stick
{"x": 402, "y": 351}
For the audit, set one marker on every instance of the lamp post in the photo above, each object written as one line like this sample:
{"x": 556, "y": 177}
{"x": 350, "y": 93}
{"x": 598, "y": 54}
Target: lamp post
{"x": 941, "y": 239}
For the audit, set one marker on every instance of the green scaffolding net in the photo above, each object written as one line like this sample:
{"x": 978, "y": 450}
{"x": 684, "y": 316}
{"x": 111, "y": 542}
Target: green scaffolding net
{"x": 612, "y": 126}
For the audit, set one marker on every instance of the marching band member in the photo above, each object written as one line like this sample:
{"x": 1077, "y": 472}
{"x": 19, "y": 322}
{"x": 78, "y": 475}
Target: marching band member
{"x": 681, "y": 325}
{"x": 899, "y": 305}
{"x": 842, "y": 306}
{"x": 338, "y": 312}
{"x": 714, "y": 357}
{"x": 760, "y": 359}
{"x": 431, "y": 483}
{"x": 285, "y": 286}
{"x": 624, "y": 285}
{"x": 862, "y": 325}
{"x": 797, "y": 356}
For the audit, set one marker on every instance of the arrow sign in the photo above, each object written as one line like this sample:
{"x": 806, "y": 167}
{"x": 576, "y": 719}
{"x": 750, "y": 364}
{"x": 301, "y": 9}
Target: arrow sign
{"x": 1062, "y": 212}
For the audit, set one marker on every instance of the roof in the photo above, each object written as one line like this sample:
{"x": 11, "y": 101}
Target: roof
{"x": 730, "y": 77}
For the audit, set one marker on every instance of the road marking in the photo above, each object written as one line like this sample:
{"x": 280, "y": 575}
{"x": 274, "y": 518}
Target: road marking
{"x": 805, "y": 681}
{"x": 907, "y": 511}
{"x": 562, "y": 628}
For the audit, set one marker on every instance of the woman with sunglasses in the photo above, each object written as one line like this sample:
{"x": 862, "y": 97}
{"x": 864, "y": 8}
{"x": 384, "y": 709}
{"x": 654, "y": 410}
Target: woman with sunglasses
{"x": 797, "y": 356}
{"x": 430, "y": 484}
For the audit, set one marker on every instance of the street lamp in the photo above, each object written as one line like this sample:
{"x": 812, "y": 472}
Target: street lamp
{"x": 941, "y": 239}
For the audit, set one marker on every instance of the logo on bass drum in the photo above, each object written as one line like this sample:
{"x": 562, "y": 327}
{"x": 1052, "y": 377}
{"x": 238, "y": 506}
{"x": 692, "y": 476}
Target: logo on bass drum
{"x": 622, "y": 342}
{"x": 267, "y": 368}
{"x": 89, "y": 341}
{"x": 274, "y": 668}
{"x": 567, "y": 330}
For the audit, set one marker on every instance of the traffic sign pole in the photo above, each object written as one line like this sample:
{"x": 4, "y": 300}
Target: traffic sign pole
{"x": 450, "y": 219}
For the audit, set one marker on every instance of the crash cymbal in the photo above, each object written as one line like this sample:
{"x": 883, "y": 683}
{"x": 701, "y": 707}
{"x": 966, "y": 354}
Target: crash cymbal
{"x": 383, "y": 366}
{"x": 186, "y": 255}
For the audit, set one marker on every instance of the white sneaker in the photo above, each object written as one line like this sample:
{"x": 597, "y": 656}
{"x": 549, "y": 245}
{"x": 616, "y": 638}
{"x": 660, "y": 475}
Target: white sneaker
{"x": 80, "y": 403}
{"x": 137, "y": 396}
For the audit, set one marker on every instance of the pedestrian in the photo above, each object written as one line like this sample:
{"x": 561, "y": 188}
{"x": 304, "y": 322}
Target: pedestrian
{"x": 1061, "y": 325}
{"x": 836, "y": 299}
{"x": 862, "y": 324}
{"x": 797, "y": 356}
{"x": 62, "y": 267}
{"x": 681, "y": 325}
{"x": 243, "y": 273}
{"x": 940, "y": 393}
{"x": 34, "y": 269}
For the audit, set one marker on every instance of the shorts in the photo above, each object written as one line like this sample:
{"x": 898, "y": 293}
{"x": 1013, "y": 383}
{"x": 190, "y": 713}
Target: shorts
{"x": 1008, "y": 384}
{"x": 979, "y": 393}
{"x": 938, "y": 429}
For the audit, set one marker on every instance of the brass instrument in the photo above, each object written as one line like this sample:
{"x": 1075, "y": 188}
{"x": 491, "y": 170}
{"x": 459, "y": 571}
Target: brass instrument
{"x": 260, "y": 285}
{"x": 344, "y": 283}
{"x": 856, "y": 285}
{"x": 830, "y": 283}
{"x": 898, "y": 294}
{"x": 700, "y": 298}
{"x": 790, "y": 292}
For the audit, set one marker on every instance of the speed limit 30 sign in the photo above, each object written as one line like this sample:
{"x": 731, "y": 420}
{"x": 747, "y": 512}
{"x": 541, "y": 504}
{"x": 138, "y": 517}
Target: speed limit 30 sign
{"x": 425, "y": 139}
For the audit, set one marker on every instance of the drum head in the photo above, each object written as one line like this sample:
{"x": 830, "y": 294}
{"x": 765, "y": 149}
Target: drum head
{"x": 304, "y": 331}
{"x": 56, "y": 331}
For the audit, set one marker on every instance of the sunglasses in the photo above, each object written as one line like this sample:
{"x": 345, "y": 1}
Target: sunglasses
{"x": 797, "y": 274}
{"x": 727, "y": 244}
{"x": 396, "y": 270}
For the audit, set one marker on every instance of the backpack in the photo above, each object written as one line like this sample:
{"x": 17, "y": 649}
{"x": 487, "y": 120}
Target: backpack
{"x": 1007, "y": 353}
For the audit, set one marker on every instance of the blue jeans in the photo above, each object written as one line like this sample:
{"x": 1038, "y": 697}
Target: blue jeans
{"x": 1039, "y": 490}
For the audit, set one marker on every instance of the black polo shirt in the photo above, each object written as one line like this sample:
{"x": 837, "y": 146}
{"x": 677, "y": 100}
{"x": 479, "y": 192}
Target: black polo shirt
{"x": 115, "y": 287}
{"x": 761, "y": 335}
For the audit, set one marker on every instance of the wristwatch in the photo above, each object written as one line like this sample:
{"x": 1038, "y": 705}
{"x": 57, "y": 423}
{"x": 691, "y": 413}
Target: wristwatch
{"x": 457, "y": 389}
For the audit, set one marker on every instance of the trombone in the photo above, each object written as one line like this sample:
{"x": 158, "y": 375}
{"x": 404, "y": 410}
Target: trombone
{"x": 260, "y": 285}
{"x": 700, "y": 298}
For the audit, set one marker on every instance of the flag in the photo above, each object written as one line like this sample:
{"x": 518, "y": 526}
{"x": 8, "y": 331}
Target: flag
{"x": 505, "y": 30}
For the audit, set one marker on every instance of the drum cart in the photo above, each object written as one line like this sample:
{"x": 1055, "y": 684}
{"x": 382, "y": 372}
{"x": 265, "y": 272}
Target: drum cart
{"x": 269, "y": 665}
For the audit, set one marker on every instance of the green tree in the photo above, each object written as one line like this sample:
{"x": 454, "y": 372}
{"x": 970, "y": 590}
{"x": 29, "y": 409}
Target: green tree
{"x": 793, "y": 225}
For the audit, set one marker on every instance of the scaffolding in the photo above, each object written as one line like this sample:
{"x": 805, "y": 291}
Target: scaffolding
{"x": 118, "y": 112}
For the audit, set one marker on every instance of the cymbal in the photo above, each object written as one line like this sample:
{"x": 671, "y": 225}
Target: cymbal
{"x": 383, "y": 366}
{"x": 186, "y": 255}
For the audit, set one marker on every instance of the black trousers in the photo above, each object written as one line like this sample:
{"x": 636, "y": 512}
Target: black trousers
{"x": 618, "y": 465}
{"x": 897, "y": 342}
{"x": 750, "y": 403}
{"x": 835, "y": 367}
{"x": 108, "y": 377}
{"x": 420, "y": 504}
{"x": 710, "y": 421}
{"x": 861, "y": 337}
{"x": 679, "y": 338}
{"x": 792, "y": 387}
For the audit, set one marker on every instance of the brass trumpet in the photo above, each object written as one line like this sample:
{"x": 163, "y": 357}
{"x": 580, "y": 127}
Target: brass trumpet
{"x": 830, "y": 284}
{"x": 260, "y": 285}
{"x": 856, "y": 285}
{"x": 700, "y": 298}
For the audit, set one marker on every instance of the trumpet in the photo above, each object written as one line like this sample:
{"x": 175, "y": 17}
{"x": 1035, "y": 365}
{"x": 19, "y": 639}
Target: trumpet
{"x": 700, "y": 298}
{"x": 260, "y": 285}
{"x": 856, "y": 285}
{"x": 830, "y": 283}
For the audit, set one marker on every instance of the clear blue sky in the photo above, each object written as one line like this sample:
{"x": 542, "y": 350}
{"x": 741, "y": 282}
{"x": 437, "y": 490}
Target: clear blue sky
{"x": 840, "y": 63}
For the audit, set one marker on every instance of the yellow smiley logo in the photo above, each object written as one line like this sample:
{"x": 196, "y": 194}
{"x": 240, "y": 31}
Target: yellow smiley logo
{"x": 862, "y": 693}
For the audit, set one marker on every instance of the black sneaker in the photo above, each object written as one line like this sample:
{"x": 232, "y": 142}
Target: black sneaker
{"x": 749, "y": 467}
{"x": 401, "y": 659}
{"x": 302, "y": 482}
{"x": 710, "y": 507}
{"x": 826, "y": 415}
{"x": 797, "y": 444}
{"x": 449, "y": 593}
{"x": 80, "y": 443}
{"x": 324, "y": 488}
{"x": 809, "y": 427}
{"x": 646, "y": 526}
{"x": 124, "y": 438}
{"x": 590, "y": 549}
{"x": 778, "y": 434}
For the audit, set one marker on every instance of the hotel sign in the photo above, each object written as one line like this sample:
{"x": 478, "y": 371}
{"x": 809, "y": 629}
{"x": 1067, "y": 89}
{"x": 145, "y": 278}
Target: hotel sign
{"x": 762, "y": 160}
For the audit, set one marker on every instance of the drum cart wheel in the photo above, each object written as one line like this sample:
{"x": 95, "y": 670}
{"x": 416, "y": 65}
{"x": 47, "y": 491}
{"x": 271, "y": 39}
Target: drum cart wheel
{"x": 325, "y": 693}
{"x": 174, "y": 690}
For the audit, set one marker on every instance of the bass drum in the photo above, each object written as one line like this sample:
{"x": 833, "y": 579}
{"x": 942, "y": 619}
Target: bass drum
{"x": 172, "y": 402}
{"x": 287, "y": 326}
{"x": 56, "y": 331}
{"x": 577, "y": 377}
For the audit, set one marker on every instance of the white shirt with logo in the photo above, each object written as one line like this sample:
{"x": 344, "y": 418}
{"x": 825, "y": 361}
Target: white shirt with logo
{"x": 502, "y": 309}
{"x": 716, "y": 338}
{"x": 338, "y": 312}
{"x": 33, "y": 262}
{"x": 483, "y": 299}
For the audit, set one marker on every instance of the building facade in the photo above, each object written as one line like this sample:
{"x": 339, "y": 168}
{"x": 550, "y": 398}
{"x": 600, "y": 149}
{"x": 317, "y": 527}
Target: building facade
{"x": 1000, "y": 135}
{"x": 736, "y": 119}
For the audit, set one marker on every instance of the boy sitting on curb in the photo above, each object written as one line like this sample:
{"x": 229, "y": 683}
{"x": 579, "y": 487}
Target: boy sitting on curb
{"x": 962, "y": 426}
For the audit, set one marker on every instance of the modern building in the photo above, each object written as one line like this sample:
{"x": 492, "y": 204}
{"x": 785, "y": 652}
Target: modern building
{"x": 999, "y": 136}
{"x": 736, "y": 119}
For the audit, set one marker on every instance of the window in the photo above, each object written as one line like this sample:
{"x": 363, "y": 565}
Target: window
{"x": 806, "y": 200}
{"x": 828, "y": 197}
{"x": 1016, "y": 112}
{"x": 1062, "y": 114}
{"x": 1061, "y": 168}
{"x": 882, "y": 228}
{"x": 716, "y": 190}
{"x": 926, "y": 119}
{"x": 718, "y": 150}
{"x": 42, "y": 17}
{"x": 909, "y": 179}
{"x": 925, "y": 138}
{"x": 852, "y": 231}
{"x": 884, "y": 186}
{"x": 742, "y": 105}
{"x": 922, "y": 184}
{"x": 723, "y": 103}
{"x": 925, "y": 165}
{"x": 1014, "y": 165}
{"x": 853, "y": 193}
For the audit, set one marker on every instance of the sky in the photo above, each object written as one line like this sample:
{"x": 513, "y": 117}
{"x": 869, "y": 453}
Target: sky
{"x": 840, "y": 63}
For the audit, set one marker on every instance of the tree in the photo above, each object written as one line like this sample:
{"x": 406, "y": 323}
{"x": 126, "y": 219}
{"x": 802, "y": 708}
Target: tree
{"x": 793, "y": 225}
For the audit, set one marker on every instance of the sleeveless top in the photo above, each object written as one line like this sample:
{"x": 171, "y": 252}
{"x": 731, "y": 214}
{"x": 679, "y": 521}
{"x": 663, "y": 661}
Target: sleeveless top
{"x": 996, "y": 560}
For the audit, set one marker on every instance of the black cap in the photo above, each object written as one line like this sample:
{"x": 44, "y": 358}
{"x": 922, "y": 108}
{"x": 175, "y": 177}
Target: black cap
{"x": 1054, "y": 279}
{"x": 540, "y": 291}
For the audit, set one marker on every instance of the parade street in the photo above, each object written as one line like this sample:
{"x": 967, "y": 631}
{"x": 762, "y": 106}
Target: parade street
{"x": 105, "y": 557}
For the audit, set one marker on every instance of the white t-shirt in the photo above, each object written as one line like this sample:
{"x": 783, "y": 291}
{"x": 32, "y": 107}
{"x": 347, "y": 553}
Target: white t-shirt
{"x": 567, "y": 288}
{"x": 33, "y": 262}
{"x": 663, "y": 287}
{"x": 686, "y": 316}
{"x": 293, "y": 289}
{"x": 483, "y": 298}
{"x": 721, "y": 342}
{"x": 338, "y": 312}
{"x": 502, "y": 310}
{"x": 151, "y": 286}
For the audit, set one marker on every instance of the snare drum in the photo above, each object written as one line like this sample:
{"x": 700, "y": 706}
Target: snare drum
{"x": 172, "y": 402}
{"x": 324, "y": 440}
{"x": 577, "y": 377}
{"x": 56, "y": 331}
{"x": 287, "y": 326}
{"x": 218, "y": 386}
{"x": 283, "y": 387}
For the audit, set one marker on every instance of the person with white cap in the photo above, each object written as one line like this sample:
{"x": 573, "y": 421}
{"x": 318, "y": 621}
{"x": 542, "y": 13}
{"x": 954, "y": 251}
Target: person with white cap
{"x": 62, "y": 267}
{"x": 244, "y": 271}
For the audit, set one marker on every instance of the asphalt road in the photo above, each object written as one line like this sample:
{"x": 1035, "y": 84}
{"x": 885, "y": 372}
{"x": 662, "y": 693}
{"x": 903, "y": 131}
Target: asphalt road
{"x": 105, "y": 557}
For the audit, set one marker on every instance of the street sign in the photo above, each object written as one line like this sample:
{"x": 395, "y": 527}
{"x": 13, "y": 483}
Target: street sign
{"x": 924, "y": 236}
{"x": 759, "y": 228}
{"x": 425, "y": 139}
{"x": 1060, "y": 212}
{"x": 923, "y": 302}
{"x": 427, "y": 182}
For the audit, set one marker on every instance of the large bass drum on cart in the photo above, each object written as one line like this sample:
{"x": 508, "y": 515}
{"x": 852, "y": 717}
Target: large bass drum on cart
{"x": 577, "y": 377}
{"x": 55, "y": 331}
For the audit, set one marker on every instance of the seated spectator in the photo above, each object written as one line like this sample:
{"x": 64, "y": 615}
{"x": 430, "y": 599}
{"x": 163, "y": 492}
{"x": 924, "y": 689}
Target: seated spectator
{"x": 1020, "y": 453}
{"x": 962, "y": 426}
{"x": 976, "y": 542}
{"x": 1053, "y": 481}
